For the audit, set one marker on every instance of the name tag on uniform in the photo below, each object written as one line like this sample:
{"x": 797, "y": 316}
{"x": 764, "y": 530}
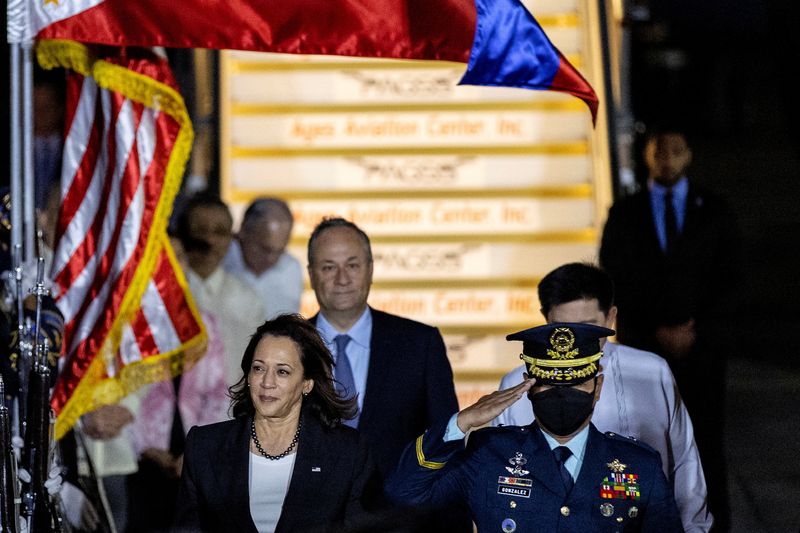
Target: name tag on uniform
{"x": 514, "y": 486}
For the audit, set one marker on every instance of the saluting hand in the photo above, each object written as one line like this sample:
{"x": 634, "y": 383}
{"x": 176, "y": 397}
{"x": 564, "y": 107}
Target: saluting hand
{"x": 491, "y": 405}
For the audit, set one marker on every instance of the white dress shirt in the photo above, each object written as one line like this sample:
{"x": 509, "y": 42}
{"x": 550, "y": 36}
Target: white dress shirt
{"x": 279, "y": 287}
{"x": 640, "y": 399}
{"x": 238, "y": 312}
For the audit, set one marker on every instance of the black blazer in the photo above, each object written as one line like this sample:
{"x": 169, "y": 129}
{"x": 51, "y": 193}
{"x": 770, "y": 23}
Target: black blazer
{"x": 409, "y": 385}
{"x": 696, "y": 280}
{"x": 333, "y": 483}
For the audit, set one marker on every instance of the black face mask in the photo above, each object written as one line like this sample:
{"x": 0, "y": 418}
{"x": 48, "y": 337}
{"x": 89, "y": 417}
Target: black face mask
{"x": 562, "y": 410}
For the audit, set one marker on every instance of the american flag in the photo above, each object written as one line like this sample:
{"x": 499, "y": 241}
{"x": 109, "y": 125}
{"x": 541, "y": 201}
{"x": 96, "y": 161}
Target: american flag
{"x": 129, "y": 318}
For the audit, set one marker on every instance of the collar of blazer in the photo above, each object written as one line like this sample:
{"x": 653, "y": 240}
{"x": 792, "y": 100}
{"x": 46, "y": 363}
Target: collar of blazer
{"x": 315, "y": 461}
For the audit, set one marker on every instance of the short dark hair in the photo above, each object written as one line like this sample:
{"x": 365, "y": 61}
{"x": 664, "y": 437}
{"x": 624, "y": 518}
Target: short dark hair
{"x": 576, "y": 281}
{"x": 264, "y": 206}
{"x": 317, "y": 361}
{"x": 337, "y": 222}
{"x": 196, "y": 201}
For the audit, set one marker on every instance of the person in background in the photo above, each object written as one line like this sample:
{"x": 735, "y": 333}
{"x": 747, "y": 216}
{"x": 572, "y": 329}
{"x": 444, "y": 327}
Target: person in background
{"x": 168, "y": 408}
{"x": 559, "y": 473}
{"x": 258, "y": 256}
{"x": 639, "y": 399}
{"x": 673, "y": 252}
{"x": 204, "y": 229}
{"x": 396, "y": 368}
{"x": 83, "y": 500}
{"x": 285, "y": 463}
{"x": 49, "y": 100}
{"x": 105, "y": 434}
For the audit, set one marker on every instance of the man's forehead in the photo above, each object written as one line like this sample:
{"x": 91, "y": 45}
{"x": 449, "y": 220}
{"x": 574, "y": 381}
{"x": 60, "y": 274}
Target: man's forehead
{"x": 340, "y": 238}
{"x": 335, "y": 258}
{"x": 273, "y": 231}
{"x": 272, "y": 219}
{"x": 669, "y": 140}
{"x": 583, "y": 306}
{"x": 208, "y": 215}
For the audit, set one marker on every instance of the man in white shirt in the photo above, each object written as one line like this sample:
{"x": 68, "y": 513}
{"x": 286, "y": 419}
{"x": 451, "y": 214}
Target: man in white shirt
{"x": 204, "y": 228}
{"x": 639, "y": 398}
{"x": 259, "y": 258}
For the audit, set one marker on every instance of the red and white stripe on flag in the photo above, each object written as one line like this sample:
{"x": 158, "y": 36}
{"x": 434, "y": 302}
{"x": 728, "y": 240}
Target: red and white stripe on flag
{"x": 129, "y": 317}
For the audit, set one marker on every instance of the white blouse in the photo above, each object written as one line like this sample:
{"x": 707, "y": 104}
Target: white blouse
{"x": 269, "y": 483}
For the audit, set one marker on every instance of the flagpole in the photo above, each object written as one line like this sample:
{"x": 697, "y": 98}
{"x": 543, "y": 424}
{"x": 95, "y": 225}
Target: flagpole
{"x": 28, "y": 178}
{"x": 16, "y": 146}
{"x": 16, "y": 21}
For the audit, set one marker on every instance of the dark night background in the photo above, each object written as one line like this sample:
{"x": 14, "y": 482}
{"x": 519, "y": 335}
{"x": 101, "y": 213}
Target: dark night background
{"x": 725, "y": 70}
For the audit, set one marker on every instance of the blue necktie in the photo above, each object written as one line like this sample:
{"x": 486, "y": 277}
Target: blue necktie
{"x": 563, "y": 453}
{"x": 670, "y": 223}
{"x": 345, "y": 383}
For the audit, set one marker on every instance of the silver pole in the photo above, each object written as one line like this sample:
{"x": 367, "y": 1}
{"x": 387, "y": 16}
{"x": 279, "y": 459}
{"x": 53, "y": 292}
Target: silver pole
{"x": 28, "y": 178}
{"x": 16, "y": 146}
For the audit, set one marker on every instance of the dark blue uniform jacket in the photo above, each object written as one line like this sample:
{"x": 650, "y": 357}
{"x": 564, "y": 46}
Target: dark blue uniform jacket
{"x": 509, "y": 478}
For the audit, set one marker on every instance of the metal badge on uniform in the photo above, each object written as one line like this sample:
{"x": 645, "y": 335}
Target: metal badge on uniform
{"x": 518, "y": 461}
{"x": 508, "y": 525}
{"x": 616, "y": 466}
{"x": 514, "y": 486}
{"x": 316, "y": 469}
{"x": 633, "y": 512}
{"x": 606, "y": 509}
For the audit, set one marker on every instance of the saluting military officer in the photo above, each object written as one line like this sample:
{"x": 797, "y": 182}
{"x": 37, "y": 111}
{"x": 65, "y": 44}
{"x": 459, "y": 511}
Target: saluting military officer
{"x": 558, "y": 474}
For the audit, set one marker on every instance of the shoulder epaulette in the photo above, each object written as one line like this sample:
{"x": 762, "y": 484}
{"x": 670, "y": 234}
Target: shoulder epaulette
{"x": 631, "y": 439}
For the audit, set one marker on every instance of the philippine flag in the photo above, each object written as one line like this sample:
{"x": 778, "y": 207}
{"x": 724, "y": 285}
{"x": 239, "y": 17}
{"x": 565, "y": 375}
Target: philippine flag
{"x": 500, "y": 40}
{"x": 27, "y": 17}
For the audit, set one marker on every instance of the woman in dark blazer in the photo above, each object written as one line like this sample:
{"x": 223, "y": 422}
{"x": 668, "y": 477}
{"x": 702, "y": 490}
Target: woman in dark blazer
{"x": 285, "y": 462}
